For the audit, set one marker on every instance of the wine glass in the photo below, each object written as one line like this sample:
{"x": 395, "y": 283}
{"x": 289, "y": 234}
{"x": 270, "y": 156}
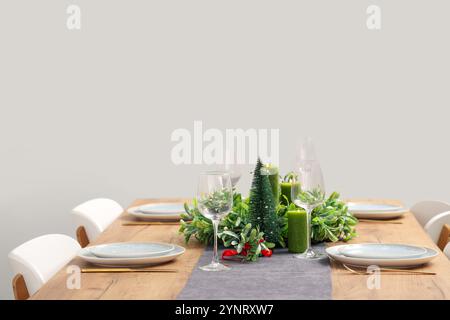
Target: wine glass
{"x": 215, "y": 201}
{"x": 308, "y": 192}
{"x": 235, "y": 171}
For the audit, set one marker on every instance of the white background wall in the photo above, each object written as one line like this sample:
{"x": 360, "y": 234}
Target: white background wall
{"x": 90, "y": 113}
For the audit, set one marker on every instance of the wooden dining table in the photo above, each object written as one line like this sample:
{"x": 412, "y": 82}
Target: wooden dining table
{"x": 345, "y": 284}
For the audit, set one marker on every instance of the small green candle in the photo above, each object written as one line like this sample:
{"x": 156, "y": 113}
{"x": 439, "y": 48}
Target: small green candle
{"x": 274, "y": 178}
{"x": 286, "y": 192}
{"x": 289, "y": 180}
{"x": 297, "y": 231}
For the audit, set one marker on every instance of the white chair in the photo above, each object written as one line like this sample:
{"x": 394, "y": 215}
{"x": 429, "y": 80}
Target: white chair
{"x": 425, "y": 210}
{"x": 447, "y": 250}
{"x": 438, "y": 228}
{"x": 37, "y": 260}
{"x": 92, "y": 217}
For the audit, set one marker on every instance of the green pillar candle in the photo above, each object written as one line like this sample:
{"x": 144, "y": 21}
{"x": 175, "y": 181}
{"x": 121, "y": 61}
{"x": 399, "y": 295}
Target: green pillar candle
{"x": 297, "y": 231}
{"x": 274, "y": 178}
{"x": 286, "y": 192}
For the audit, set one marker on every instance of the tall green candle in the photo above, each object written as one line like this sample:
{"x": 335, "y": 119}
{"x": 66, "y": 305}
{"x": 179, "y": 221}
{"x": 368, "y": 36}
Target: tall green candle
{"x": 274, "y": 178}
{"x": 297, "y": 231}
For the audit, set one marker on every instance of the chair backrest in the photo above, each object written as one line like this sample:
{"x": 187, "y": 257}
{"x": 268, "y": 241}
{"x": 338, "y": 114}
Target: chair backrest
{"x": 96, "y": 215}
{"x": 425, "y": 210}
{"x": 436, "y": 224}
{"x": 447, "y": 250}
{"x": 39, "y": 259}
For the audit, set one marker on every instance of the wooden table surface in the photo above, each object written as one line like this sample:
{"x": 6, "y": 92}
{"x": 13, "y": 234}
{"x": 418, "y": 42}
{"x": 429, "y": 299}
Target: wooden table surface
{"x": 167, "y": 285}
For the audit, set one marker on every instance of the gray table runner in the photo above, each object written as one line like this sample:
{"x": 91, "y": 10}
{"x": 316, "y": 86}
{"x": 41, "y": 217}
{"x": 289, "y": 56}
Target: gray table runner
{"x": 278, "y": 277}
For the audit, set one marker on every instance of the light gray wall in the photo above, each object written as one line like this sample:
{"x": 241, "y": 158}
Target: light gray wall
{"x": 90, "y": 113}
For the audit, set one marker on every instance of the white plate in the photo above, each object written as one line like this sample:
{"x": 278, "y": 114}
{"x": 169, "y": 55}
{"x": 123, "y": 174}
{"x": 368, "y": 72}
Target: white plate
{"x": 88, "y": 256}
{"x": 131, "y": 249}
{"x": 382, "y": 251}
{"x": 155, "y": 211}
{"x": 375, "y": 211}
{"x": 334, "y": 253}
{"x": 373, "y": 207}
{"x": 379, "y": 215}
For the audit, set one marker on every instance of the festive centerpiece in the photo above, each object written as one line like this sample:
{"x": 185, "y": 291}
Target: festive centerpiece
{"x": 258, "y": 224}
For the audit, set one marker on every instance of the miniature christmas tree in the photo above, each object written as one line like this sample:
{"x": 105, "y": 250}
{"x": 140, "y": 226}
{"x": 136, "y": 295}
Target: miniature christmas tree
{"x": 262, "y": 208}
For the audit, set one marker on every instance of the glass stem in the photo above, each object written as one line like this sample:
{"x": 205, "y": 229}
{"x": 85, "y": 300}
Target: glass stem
{"x": 215, "y": 259}
{"x": 308, "y": 227}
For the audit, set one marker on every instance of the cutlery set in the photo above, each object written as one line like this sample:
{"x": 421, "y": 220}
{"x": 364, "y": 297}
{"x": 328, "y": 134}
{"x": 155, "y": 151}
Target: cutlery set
{"x": 380, "y": 221}
{"x": 387, "y": 271}
{"x": 149, "y": 223}
{"x": 125, "y": 270}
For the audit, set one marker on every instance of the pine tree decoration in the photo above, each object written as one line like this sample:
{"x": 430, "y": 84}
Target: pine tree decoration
{"x": 262, "y": 208}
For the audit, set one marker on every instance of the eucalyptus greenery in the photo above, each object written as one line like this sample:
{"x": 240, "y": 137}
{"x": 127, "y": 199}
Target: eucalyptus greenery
{"x": 194, "y": 224}
{"x": 218, "y": 201}
{"x": 330, "y": 221}
{"x": 290, "y": 177}
{"x": 234, "y": 229}
{"x": 311, "y": 197}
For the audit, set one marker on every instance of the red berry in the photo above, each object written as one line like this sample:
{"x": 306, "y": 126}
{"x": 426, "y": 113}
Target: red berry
{"x": 266, "y": 252}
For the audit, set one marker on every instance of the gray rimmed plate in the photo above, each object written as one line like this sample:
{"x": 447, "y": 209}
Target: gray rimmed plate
{"x": 131, "y": 249}
{"x": 375, "y": 211}
{"x": 382, "y": 251}
{"x": 158, "y": 211}
{"x": 86, "y": 255}
{"x": 335, "y": 254}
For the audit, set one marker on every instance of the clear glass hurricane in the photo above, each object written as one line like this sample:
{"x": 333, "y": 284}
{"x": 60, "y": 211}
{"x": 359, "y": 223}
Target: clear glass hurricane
{"x": 235, "y": 171}
{"x": 308, "y": 192}
{"x": 215, "y": 201}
